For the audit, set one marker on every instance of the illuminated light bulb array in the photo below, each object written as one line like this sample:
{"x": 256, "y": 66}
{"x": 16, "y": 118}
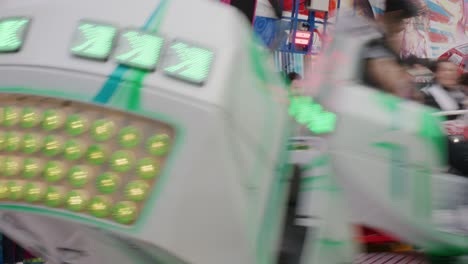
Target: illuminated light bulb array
{"x": 76, "y": 125}
{"x": 53, "y": 119}
{"x": 81, "y": 158}
{"x": 30, "y": 118}
{"x": 31, "y": 143}
{"x": 31, "y": 168}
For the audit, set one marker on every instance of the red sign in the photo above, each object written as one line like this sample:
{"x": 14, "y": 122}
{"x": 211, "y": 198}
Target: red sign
{"x": 302, "y": 38}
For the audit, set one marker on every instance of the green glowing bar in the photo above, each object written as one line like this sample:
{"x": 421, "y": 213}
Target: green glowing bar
{"x": 188, "y": 63}
{"x": 93, "y": 40}
{"x": 139, "y": 50}
{"x": 13, "y": 33}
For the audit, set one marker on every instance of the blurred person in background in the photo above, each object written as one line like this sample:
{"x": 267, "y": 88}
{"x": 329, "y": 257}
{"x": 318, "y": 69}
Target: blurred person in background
{"x": 464, "y": 88}
{"x": 422, "y": 76}
{"x": 295, "y": 85}
{"x": 445, "y": 92}
{"x": 382, "y": 65}
{"x": 464, "y": 83}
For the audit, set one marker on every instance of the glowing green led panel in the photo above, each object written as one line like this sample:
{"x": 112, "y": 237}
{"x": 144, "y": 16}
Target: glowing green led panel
{"x": 12, "y": 33}
{"x": 93, "y": 40}
{"x": 139, "y": 49}
{"x": 188, "y": 62}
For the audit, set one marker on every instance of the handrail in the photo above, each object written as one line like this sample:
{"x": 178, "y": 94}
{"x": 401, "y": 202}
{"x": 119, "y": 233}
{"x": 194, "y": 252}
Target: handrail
{"x": 450, "y": 113}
